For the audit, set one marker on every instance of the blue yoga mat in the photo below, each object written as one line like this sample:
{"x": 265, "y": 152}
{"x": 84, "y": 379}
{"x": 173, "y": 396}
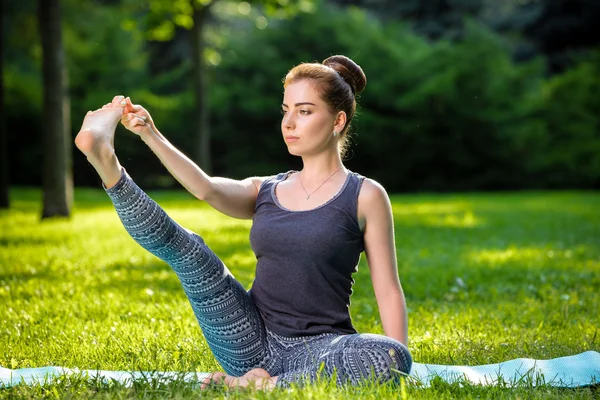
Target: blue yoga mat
{"x": 572, "y": 371}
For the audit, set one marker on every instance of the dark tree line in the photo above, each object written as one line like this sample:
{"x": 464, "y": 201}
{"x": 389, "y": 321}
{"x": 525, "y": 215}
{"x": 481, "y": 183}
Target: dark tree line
{"x": 179, "y": 68}
{"x": 4, "y": 195}
{"x": 57, "y": 179}
{"x": 558, "y": 29}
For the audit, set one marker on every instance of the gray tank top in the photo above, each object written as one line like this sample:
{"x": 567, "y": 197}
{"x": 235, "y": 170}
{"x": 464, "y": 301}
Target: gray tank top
{"x": 305, "y": 261}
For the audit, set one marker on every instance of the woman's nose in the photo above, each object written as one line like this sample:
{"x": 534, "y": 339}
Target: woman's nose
{"x": 288, "y": 121}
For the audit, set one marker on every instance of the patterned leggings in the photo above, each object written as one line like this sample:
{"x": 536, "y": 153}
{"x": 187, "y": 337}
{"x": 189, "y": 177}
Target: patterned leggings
{"x": 231, "y": 323}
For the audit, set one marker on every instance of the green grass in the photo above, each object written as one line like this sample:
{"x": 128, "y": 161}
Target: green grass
{"x": 487, "y": 277}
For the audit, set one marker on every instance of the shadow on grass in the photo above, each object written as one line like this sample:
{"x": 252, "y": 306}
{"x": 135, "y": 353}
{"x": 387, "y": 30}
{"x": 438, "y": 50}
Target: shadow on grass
{"x": 26, "y": 241}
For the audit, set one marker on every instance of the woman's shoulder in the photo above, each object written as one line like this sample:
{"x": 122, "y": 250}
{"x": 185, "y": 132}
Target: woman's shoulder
{"x": 369, "y": 188}
{"x": 372, "y": 192}
{"x": 263, "y": 181}
{"x": 373, "y": 203}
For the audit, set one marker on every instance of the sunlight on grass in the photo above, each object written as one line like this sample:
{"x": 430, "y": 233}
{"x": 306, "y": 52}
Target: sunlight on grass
{"x": 526, "y": 256}
{"x": 457, "y": 215}
{"x": 487, "y": 278}
{"x": 466, "y": 220}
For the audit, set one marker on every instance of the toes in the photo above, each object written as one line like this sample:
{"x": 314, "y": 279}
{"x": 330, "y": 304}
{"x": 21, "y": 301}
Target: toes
{"x": 117, "y": 100}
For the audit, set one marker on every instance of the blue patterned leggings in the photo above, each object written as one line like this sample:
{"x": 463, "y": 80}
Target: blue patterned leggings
{"x": 231, "y": 323}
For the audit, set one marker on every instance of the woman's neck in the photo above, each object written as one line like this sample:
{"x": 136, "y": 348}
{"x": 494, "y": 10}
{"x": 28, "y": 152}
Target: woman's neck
{"x": 318, "y": 167}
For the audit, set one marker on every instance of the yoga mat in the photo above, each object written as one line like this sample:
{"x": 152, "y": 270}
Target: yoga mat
{"x": 572, "y": 371}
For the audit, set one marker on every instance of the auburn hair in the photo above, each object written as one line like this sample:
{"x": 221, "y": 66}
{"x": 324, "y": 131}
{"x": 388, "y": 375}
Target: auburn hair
{"x": 338, "y": 80}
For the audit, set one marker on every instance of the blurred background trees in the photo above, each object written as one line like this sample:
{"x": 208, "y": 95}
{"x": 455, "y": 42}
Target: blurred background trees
{"x": 57, "y": 180}
{"x": 461, "y": 95}
{"x": 4, "y": 194}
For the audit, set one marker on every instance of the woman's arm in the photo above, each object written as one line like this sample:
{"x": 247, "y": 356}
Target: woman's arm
{"x": 375, "y": 215}
{"x": 231, "y": 197}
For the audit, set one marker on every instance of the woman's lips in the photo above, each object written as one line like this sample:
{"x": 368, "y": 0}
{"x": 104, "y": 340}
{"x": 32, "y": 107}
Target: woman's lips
{"x": 291, "y": 139}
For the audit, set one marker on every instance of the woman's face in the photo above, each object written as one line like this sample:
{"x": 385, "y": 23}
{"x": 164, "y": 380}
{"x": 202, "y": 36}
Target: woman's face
{"x": 307, "y": 124}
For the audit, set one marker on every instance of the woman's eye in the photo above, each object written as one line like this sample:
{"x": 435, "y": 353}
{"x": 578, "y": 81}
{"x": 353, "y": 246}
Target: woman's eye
{"x": 304, "y": 112}
{"x": 283, "y": 112}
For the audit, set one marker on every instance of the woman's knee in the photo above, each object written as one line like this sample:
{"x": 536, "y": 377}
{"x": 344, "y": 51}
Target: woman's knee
{"x": 401, "y": 360}
{"x": 389, "y": 357}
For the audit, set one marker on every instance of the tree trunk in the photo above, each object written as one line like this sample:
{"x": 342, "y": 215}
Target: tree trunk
{"x": 201, "y": 152}
{"x": 57, "y": 180}
{"x": 4, "y": 198}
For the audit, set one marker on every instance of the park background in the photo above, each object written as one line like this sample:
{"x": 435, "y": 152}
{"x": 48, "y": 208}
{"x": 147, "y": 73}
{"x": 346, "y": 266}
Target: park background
{"x": 481, "y": 118}
{"x": 461, "y": 95}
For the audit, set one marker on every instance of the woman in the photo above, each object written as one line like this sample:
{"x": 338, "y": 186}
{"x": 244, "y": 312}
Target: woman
{"x": 309, "y": 228}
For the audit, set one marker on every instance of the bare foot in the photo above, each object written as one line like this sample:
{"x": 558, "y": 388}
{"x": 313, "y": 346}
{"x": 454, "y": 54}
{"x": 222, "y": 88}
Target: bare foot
{"x": 96, "y": 140}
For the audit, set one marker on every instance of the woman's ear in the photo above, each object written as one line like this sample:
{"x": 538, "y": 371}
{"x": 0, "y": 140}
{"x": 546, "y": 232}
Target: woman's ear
{"x": 340, "y": 122}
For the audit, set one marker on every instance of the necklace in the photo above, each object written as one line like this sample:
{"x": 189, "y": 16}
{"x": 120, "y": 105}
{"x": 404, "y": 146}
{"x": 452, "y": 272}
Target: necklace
{"x": 313, "y": 192}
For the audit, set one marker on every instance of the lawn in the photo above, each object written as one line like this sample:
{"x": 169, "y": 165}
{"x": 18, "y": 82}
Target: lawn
{"x": 487, "y": 277}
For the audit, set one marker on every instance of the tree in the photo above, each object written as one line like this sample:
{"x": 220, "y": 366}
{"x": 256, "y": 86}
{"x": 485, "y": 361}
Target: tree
{"x": 4, "y": 199}
{"x": 434, "y": 19}
{"x": 163, "y": 18}
{"x": 57, "y": 181}
{"x": 561, "y": 30}
{"x": 202, "y": 153}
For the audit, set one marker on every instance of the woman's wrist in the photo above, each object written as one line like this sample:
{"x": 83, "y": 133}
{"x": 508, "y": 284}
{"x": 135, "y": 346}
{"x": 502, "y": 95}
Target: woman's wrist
{"x": 150, "y": 134}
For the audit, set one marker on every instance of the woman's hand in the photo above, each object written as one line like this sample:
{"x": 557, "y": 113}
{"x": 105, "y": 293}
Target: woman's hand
{"x": 256, "y": 378}
{"x": 137, "y": 119}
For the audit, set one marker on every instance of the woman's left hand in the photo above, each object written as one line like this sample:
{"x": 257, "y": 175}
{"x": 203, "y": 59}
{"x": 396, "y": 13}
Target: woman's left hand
{"x": 256, "y": 378}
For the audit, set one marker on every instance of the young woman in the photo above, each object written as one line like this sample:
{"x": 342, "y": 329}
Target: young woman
{"x": 309, "y": 228}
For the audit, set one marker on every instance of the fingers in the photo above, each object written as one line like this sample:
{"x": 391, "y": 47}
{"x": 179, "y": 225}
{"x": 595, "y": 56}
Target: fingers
{"x": 257, "y": 379}
{"x": 258, "y": 373}
{"x": 215, "y": 377}
{"x": 231, "y": 381}
{"x": 130, "y": 107}
{"x": 132, "y": 120}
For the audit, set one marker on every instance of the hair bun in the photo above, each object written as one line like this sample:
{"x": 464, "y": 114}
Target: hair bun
{"x": 349, "y": 71}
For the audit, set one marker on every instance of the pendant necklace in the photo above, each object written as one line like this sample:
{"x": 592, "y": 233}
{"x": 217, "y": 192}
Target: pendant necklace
{"x": 313, "y": 192}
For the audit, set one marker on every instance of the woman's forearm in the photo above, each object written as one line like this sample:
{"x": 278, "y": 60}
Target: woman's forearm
{"x": 394, "y": 317}
{"x": 196, "y": 181}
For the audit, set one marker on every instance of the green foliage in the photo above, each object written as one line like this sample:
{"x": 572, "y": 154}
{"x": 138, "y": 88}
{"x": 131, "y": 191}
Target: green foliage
{"x": 102, "y": 56}
{"x": 569, "y": 153}
{"x": 160, "y": 19}
{"x": 487, "y": 278}
{"x": 434, "y": 116}
{"x": 450, "y": 111}
{"x": 444, "y": 115}
{"x": 433, "y": 19}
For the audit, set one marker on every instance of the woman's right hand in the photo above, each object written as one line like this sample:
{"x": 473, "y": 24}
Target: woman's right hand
{"x": 137, "y": 119}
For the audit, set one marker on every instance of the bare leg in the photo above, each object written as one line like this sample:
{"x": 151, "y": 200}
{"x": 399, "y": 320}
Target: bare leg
{"x": 96, "y": 140}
